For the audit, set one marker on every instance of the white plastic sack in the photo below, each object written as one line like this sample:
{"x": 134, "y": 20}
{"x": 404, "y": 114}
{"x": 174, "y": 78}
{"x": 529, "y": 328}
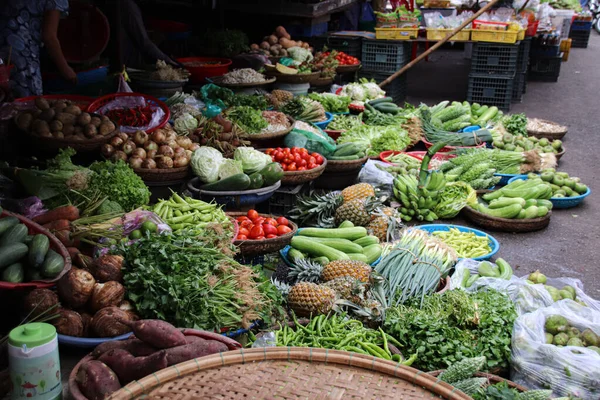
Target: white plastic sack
{"x": 567, "y": 370}
{"x": 370, "y": 173}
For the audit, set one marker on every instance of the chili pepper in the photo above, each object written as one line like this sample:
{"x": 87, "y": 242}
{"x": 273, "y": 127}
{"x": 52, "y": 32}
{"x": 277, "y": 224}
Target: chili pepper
{"x": 410, "y": 360}
{"x": 385, "y": 342}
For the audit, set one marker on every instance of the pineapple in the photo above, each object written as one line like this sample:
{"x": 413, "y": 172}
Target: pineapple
{"x": 348, "y": 288}
{"x": 385, "y": 225}
{"x": 357, "y": 211}
{"x": 317, "y": 210}
{"x": 281, "y": 287}
{"x": 358, "y": 191}
{"x": 307, "y": 299}
{"x": 353, "y": 268}
{"x": 305, "y": 271}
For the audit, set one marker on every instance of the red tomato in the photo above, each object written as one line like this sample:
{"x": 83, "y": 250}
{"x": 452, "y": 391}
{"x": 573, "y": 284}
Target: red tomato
{"x": 301, "y": 168}
{"x": 303, "y": 151}
{"x": 269, "y": 151}
{"x": 259, "y": 238}
{"x": 279, "y": 149}
{"x": 256, "y": 231}
{"x": 241, "y": 219}
{"x": 282, "y": 230}
{"x": 252, "y": 214}
{"x": 258, "y": 220}
{"x": 282, "y": 221}
{"x": 269, "y": 229}
{"x": 311, "y": 166}
{"x": 302, "y": 163}
{"x": 278, "y": 155}
{"x": 297, "y": 159}
{"x": 284, "y": 167}
{"x": 294, "y": 150}
{"x": 271, "y": 221}
{"x": 271, "y": 236}
{"x": 288, "y": 160}
{"x": 292, "y": 167}
{"x": 287, "y": 150}
{"x": 246, "y": 224}
{"x": 312, "y": 160}
{"x": 318, "y": 159}
{"x": 243, "y": 231}
{"x": 242, "y": 237}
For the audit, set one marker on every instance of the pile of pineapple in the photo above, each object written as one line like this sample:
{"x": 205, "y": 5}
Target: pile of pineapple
{"x": 357, "y": 204}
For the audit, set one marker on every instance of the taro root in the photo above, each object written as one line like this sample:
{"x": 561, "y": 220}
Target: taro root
{"x": 96, "y": 122}
{"x": 75, "y": 287}
{"x": 87, "y": 321}
{"x": 106, "y": 295}
{"x": 106, "y": 322}
{"x": 84, "y": 119}
{"x": 128, "y": 308}
{"x": 38, "y": 301}
{"x": 73, "y": 109}
{"x": 107, "y": 268}
{"x": 68, "y": 323}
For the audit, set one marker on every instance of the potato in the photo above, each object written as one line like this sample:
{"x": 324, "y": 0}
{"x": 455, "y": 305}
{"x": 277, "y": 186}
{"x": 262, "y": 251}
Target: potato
{"x": 274, "y": 51}
{"x": 46, "y": 134}
{"x": 56, "y": 126}
{"x": 96, "y": 121}
{"x": 68, "y": 130}
{"x": 104, "y": 119}
{"x": 265, "y": 45}
{"x": 59, "y": 105}
{"x": 280, "y": 31}
{"x": 79, "y": 136}
{"x": 254, "y": 47}
{"x": 66, "y": 118}
{"x": 24, "y": 121}
{"x": 47, "y": 115}
{"x": 129, "y": 368}
{"x": 41, "y": 103}
{"x": 198, "y": 348}
{"x": 73, "y": 110}
{"x": 84, "y": 119}
{"x": 90, "y": 131}
{"x": 106, "y": 128}
{"x": 58, "y": 135}
{"x": 40, "y": 126}
{"x": 96, "y": 380}
{"x": 272, "y": 40}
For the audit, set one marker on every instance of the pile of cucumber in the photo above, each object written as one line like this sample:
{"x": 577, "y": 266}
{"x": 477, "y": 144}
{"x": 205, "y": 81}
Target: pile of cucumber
{"x": 24, "y": 257}
{"x": 347, "y": 151}
{"x": 500, "y": 269}
{"x": 521, "y": 199}
{"x": 347, "y": 242}
{"x": 385, "y": 105}
{"x": 267, "y": 176}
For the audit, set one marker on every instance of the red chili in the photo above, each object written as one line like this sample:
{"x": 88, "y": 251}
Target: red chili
{"x": 137, "y": 116}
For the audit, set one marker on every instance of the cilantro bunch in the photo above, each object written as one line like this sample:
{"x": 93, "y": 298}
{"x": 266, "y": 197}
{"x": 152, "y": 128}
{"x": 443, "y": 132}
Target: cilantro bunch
{"x": 119, "y": 183}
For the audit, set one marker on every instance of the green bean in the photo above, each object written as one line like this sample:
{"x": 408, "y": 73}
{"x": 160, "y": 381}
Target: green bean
{"x": 385, "y": 343}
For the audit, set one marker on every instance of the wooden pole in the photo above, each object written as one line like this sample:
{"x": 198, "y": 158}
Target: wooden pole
{"x": 437, "y": 45}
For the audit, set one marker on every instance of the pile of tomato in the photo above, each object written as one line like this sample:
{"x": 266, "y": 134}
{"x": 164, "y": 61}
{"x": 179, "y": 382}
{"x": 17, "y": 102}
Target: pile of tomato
{"x": 254, "y": 227}
{"x": 295, "y": 158}
{"x": 344, "y": 59}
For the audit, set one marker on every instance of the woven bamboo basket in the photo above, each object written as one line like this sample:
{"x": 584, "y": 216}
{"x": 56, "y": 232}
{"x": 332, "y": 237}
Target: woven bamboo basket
{"x": 344, "y": 69}
{"x": 163, "y": 175}
{"x": 559, "y": 134}
{"x": 290, "y": 373}
{"x": 492, "y": 379}
{"x": 270, "y": 135}
{"x": 291, "y": 178}
{"x": 265, "y": 246}
{"x": 298, "y": 78}
{"x": 218, "y": 80}
{"x": 322, "y": 82}
{"x": 506, "y": 224}
{"x": 562, "y": 153}
{"x": 345, "y": 165}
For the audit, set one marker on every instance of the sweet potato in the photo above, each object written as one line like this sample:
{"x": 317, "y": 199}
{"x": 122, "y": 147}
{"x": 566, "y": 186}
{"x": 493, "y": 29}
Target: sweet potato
{"x": 230, "y": 343}
{"x": 70, "y": 213}
{"x": 136, "y": 347}
{"x": 96, "y": 380}
{"x": 58, "y": 225}
{"x": 73, "y": 252}
{"x": 157, "y": 333}
{"x": 129, "y": 368}
{"x": 191, "y": 339}
{"x": 199, "y": 348}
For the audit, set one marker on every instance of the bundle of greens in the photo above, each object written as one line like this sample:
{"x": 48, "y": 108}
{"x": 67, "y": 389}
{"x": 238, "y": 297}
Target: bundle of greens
{"x": 342, "y": 122}
{"x": 436, "y": 134}
{"x": 257, "y": 101}
{"x": 304, "y": 109}
{"x": 448, "y": 327}
{"x": 515, "y": 124}
{"x": 504, "y": 162}
{"x": 477, "y": 171}
{"x": 332, "y": 102}
{"x": 247, "y": 119}
{"x": 119, "y": 183}
{"x": 378, "y": 118}
{"x": 376, "y": 138}
{"x": 454, "y": 197}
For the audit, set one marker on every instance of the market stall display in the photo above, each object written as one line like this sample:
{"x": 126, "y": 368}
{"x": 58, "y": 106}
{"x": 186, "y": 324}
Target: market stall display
{"x": 261, "y": 233}
{"x": 567, "y": 191}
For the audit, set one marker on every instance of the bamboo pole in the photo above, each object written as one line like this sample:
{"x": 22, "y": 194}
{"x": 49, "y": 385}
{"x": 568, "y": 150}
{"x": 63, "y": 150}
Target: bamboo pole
{"x": 437, "y": 45}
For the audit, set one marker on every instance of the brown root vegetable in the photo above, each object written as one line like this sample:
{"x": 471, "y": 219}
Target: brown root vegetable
{"x": 75, "y": 287}
{"x": 77, "y": 131}
{"x": 230, "y": 343}
{"x": 96, "y": 121}
{"x": 254, "y": 47}
{"x": 165, "y": 150}
{"x": 68, "y": 323}
{"x": 283, "y": 53}
{"x": 68, "y": 130}
{"x": 272, "y": 40}
{"x": 40, "y": 126}
{"x": 56, "y": 126}
{"x": 64, "y": 212}
{"x": 73, "y": 251}
{"x": 96, "y": 380}
{"x": 107, "y": 150}
{"x": 280, "y": 31}
{"x": 123, "y": 136}
{"x": 134, "y": 346}
{"x": 139, "y": 152}
{"x": 39, "y": 301}
{"x": 149, "y": 163}
{"x": 90, "y": 131}
{"x": 198, "y": 348}
{"x": 41, "y": 103}
{"x": 107, "y": 322}
{"x": 73, "y": 109}
{"x": 82, "y": 261}
{"x": 84, "y": 119}
{"x": 106, "y": 128}
{"x": 191, "y": 339}
{"x": 164, "y": 162}
{"x": 66, "y": 118}
{"x": 226, "y": 124}
{"x": 157, "y": 333}
{"x": 265, "y": 45}
{"x": 274, "y": 51}
{"x": 128, "y": 147}
{"x": 58, "y": 135}
{"x": 87, "y": 322}
{"x": 118, "y": 155}
{"x": 106, "y": 294}
{"x": 24, "y": 120}
{"x": 116, "y": 142}
{"x": 59, "y": 105}
{"x": 129, "y": 368}
{"x": 47, "y": 115}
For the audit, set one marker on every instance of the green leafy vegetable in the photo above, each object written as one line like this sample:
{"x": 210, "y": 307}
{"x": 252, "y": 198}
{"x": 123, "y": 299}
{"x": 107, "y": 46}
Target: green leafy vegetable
{"x": 343, "y": 122}
{"x": 453, "y": 198}
{"x": 251, "y": 160}
{"x": 376, "y": 138}
{"x": 247, "y": 118}
{"x": 119, "y": 183}
{"x": 304, "y": 109}
{"x": 185, "y": 124}
{"x": 230, "y": 167}
{"x": 515, "y": 124}
{"x": 256, "y": 101}
{"x": 332, "y": 102}
{"x": 206, "y": 162}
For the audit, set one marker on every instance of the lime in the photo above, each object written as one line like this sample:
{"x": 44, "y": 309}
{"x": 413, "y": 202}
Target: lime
{"x": 137, "y": 234}
{"x": 149, "y": 226}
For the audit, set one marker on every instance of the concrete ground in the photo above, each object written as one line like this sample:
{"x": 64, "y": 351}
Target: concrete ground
{"x": 569, "y": 245}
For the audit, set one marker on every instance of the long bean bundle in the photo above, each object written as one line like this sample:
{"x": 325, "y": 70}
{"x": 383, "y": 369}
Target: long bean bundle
{"x": 415, "y": 266}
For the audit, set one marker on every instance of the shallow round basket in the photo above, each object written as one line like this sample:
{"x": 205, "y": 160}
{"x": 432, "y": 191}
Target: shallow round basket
{"x": 234, "y": 199}
{"x": 218, "y": 80}
{"x": 561, "y": 202}
{"x": 506, "y": 224}
{"x": 345, "y": 165}
{"x": 80, "y": 146}
{"x": 492, "y": 379}
{"x": 297, "y": 177}
{"x": 163, "y": 174}
{"x": 447, "y": 149}
{"x": 298, "y": 78}
{"x": 265, "y": 246}
{"x": 493, "y": 243}
{"x": 345, "y": 69}
{"x": 87, "y": 343}
{"x": 559, "y": 134}
{"x": 270, "y": 135}
{"x": 559, "y": 155}
{"x": 289, "y": 372}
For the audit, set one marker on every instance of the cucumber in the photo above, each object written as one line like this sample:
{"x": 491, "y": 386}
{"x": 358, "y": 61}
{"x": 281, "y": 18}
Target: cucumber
{"x": 387, "y": 108}
{"x": 372, "y": 252}
{"x": 531, "y": 212}
{"x": 321, "y": 260}
{"x": 349, "y": 150}
{"x": 544, "y": 203}
{"x": 358, "y": 257}
{"x": 344, "y": 158}
{"x": 507, "y": 201}
{"x": 12, "y": 253}
{"x": 530, "y": 202}
{"x": 309, "y": 246}
{"x": 344, "y": 245}
{"x": 339, "y": 233}
{"x": 346, "y": 224}
{"x": 367, "y": 240}
{"x": 256, "y": 180}
{"x": 15, "y": 234}
{"x": 272, "y": 173}
{"x": 542, "y": 211}
{"x": 233, "y": 183}
{"x": 381, "y": 100}
{"x": 28, "y": 240}
{"x": 53, "y": 264}
{"x": 7, "y": 222}
{"x": 37, "y": 250}
{"x": 294, "y": 255}
{"x": 14, "y": 273}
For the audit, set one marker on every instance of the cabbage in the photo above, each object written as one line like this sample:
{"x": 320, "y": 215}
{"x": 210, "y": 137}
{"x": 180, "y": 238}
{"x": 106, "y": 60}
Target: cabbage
{"x": 230, "y": 167}
{"x": 206, "y": 162}
{"x": 185, "y": 124}
{"x": 252, "y": 160}
{"x": 373, "y": 90}
{"x": 355, "y": 91}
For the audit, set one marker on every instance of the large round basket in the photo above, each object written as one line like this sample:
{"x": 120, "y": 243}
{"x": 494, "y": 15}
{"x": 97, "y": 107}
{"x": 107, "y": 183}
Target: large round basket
{"x": 157, "y": 175}
{"x": 55, "y": 245}
{"x": 290, "y": 373}
{"x": 233, "y": 199}
{"x": 492, "y": 379}
{"x": 345, "y": 165}
{"x": 552, "y": 131}
{"x": 506, "y": 224}
{"x": 345, "y": 69}
{"x": 298, "y": 78}
{"x": 271, "y": 135}
{"x": 87, "y": 145}
{"x": 291, "y": 178}
{"x": 218, "y": 80}
{"x": 265, "y": 246}
{"x": 322, "y": 82}
{"x": 80, "y": 101}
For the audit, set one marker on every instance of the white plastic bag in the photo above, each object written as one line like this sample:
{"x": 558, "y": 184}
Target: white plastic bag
{"x": 370, "y": 173}
{"x": 567, "y": 370}
{"x": 132, "y": 102}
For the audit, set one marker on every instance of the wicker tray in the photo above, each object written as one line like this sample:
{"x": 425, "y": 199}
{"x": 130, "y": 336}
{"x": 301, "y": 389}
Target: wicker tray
{"x": 345, "y": 69}
{"x": 290, "y": 373}
{"x": 291, "y": 178}
{"x": 218, "y": 80}
{"x": 345, "y": 165}
{"x": 492, "y": 379}
{"x": 548, "y": 135}
{"x": 256, "y": 247}
{"x": 505, "y": 224}
{"x": 271, "y": 135}
{"x": 55, "y": 245}
{"x": 163, "y": 175}
{"x": 298, "y": 78}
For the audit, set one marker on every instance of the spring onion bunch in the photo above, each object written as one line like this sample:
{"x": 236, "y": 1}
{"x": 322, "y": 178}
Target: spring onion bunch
{"x": 414, "y": 266}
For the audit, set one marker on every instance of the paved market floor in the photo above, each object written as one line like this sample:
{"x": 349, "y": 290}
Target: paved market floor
{"x": 570, "y": 245}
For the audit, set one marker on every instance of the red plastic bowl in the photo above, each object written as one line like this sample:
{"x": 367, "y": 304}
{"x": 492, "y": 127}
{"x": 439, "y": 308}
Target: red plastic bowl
{"x": 447, "y": 149}
{"x": 101, "y": 101}
{"x": 82, "y": 102}
{"x": 199, "y": 74}
{"x": 415, "y": 154}
{"x": 333, "y": 134}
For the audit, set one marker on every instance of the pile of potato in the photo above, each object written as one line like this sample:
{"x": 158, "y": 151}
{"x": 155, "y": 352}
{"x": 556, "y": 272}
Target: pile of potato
{"x": 276, "y": 45}
{"x": 62, "y": 119}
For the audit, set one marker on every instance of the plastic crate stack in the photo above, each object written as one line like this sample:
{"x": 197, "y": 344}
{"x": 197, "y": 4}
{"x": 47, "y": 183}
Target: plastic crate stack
{"x": 284, "y": 199}
{"x": 580, "y": 33}
{"x": 545, "y": 60}
{"x": 520, "y": 84}
{"x": 493, "y": 70}
{"x": 380, "y": 59}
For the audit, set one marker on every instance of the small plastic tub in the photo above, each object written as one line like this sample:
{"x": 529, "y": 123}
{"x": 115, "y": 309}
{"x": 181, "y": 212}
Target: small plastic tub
{"x": 211, "y": 67}
{"x": 323, "y": 124}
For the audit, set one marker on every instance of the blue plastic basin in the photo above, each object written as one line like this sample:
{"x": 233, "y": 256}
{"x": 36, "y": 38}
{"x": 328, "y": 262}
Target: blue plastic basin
{"x": 561, "y": 202}
{"x": 494, "y": 244}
